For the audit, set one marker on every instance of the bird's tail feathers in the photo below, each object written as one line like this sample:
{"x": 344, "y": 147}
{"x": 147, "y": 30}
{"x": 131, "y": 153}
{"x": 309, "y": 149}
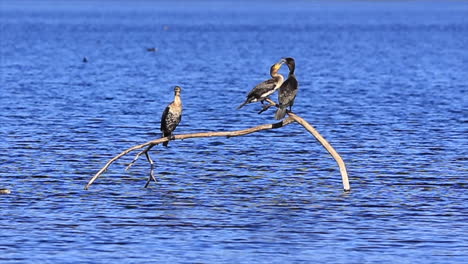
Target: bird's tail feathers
{"x": 244, "y": 103}
{"x": 166, "y": 135}
{"x": 280, "y": 113}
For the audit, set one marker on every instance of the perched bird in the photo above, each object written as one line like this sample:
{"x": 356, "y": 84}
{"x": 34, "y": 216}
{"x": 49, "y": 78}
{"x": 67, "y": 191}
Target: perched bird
{"x": 266, "y": 88}
{"x": 287, "y": 91}
{"x": 172, "y": 115}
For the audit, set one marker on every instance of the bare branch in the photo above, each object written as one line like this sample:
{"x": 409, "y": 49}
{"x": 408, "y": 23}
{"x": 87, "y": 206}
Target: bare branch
{"x": 328, "y": 147}
{"x": 292, "y": 118}
{"x": 123, "y": 153}
{"x": 136, "y": 158}
{"x": 151, "y": 176}
{"x": 228, "y": 134}
{"x": 138, "y": 155}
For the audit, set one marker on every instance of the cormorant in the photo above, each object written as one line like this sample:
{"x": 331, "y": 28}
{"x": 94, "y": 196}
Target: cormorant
{"x": 287, "y": 91}
{"x": 172, "y": 115}
{"x": 266, "y": 88}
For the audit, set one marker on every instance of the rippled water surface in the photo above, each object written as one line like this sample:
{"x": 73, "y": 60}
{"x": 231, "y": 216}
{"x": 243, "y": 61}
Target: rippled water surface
{"x": 386, "y": 83}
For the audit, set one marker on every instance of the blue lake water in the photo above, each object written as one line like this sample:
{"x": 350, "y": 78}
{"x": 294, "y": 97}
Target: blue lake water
{"x": 385, "y": 82}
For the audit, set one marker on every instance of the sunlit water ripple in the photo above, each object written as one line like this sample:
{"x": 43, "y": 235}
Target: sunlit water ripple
{"x": 384, "y": 83}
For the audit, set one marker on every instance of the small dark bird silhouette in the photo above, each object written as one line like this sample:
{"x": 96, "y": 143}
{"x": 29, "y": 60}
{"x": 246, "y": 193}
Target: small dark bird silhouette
{"x": 266, "y": 88}
{"x": 287, "y": 91}
{"x": 171, "y": 116}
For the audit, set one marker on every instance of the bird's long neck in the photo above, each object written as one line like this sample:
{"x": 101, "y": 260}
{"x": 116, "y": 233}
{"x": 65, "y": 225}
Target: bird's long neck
{"x": 177, "y": 100}
{"x": 292, "y": 68}
{"x": 279, "y": 79}
{"x": 277, "y": 76}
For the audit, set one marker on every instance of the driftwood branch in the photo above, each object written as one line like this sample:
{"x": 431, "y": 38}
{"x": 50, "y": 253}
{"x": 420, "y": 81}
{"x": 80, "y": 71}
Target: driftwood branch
{"x": 152, "y": 143}
{"x": 291, "y": 119}
{"x": 327, "y": 146}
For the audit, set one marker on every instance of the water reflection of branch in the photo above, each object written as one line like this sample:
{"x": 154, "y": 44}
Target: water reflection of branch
{"x": 291, "y": 119}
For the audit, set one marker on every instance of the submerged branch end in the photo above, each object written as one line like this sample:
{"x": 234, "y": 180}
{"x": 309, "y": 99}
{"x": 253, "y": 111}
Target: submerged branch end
{"x": 327, "y": 146}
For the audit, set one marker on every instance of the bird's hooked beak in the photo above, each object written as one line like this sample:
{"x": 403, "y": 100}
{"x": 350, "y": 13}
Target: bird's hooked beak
{"x": 278, "y": 65}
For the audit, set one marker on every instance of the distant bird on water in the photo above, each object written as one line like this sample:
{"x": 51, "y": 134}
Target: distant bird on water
{"x": 266, "y": 88}
{"x": 172, "y": 115}
{"x": 287, "y": 91}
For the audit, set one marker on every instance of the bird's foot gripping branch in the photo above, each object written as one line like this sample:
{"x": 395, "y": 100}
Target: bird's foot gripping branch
{"x": 290, "y": 119}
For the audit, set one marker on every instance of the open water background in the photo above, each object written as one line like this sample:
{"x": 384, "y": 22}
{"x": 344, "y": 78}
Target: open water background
{"x": 385, "y": 82}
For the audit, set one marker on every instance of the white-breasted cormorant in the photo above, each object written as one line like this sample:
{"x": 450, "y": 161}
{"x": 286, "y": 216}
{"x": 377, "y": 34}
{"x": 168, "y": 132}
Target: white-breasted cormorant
{"x": 288, "y": 90}
{"x": 266, "y": 88}
{"x": 172, "y": 115}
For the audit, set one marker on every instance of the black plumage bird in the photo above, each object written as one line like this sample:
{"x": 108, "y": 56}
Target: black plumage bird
{"x": 266, "y": 88}
{"x": 172, "y": 115}
{"x": 287, "y": 91}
